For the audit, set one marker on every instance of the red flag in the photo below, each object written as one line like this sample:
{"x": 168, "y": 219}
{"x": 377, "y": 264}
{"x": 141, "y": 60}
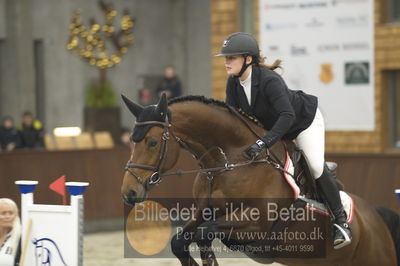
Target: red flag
{"x": 58, "y": 186}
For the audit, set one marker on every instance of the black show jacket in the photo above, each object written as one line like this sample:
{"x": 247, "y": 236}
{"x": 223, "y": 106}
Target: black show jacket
{"x": 283, "y": 112}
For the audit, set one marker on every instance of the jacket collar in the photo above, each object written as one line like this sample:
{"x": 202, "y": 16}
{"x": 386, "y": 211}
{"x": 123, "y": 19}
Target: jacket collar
{"x": 255, "y": 75}
{"x": 255, "y": 81}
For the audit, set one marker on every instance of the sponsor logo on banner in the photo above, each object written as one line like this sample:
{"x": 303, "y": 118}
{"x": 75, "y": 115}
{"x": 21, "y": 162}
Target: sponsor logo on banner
{"x": 355, "y": 46}
{"x": 280, "y": 26}
{"x": 298, "y": 50}
{"x": 313, "y": 4}
{"x": 328, "y": 47}
{"x": 326, "y": 74}
{"x": 280, "y": 6}
{"x": 351, "y": 21}
{"x": 338, "y": 2}
{"x": 315, "y": 23}
{"x": 274, "y": 50}
{"x": 304, "y": 4}
{"x": 357, "y": 73}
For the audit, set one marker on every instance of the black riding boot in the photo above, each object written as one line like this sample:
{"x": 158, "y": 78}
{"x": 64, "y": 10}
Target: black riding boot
{"x": 342, "y": 230}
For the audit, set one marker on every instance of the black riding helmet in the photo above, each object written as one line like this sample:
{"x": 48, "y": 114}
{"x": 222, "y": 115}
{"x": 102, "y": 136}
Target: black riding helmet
{"x": 240, "y": 43}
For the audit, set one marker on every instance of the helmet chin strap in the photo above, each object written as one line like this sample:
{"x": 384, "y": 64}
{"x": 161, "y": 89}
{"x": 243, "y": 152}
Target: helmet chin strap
{"x": 244, "y": 67}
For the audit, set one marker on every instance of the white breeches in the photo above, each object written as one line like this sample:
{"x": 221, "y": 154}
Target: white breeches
{"x": 312, "y": 142}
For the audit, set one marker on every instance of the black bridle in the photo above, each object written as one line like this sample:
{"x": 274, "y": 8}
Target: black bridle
{"x": 156, "y": 177}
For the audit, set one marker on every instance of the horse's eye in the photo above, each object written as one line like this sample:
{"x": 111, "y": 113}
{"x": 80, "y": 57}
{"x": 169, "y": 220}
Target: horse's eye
{"x": 152, "y": 143}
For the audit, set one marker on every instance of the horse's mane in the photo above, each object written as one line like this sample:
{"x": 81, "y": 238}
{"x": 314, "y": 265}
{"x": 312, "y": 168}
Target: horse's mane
{"x": 210, "y": 101}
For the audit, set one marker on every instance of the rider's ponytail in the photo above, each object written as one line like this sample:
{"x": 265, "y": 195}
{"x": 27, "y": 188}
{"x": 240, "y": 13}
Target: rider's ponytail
{"x": 260, "y": 61}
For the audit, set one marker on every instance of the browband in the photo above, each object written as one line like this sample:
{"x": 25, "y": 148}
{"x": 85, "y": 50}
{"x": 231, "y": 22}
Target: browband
{"x": 164, "y": 124}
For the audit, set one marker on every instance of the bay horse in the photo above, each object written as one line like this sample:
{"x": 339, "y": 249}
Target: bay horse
{"x": 216, "y": 135}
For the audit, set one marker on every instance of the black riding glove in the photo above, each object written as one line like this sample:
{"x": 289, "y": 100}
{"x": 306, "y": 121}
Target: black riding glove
{"x": 254, "y": 150}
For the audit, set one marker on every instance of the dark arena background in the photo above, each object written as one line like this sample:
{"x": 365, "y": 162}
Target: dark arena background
{"x": 64, "y": 65}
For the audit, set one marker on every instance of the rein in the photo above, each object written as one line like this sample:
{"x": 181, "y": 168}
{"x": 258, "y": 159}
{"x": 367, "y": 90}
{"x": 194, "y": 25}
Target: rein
{"x": 277, "y": 163}
{"x": 156, "y": 177}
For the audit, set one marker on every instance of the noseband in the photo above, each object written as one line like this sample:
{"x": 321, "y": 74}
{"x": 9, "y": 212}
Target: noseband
{"x": 155, "y": 178}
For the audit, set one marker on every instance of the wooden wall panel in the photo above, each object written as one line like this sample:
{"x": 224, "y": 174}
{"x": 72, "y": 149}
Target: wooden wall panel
{"x": 224, "y": 21}
{"x": 103, "y": 169}
{"x": 370, "y": 176}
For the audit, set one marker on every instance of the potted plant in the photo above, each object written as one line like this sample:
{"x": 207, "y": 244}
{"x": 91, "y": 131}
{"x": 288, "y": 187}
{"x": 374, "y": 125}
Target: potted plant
{"x": 101, "y": 112}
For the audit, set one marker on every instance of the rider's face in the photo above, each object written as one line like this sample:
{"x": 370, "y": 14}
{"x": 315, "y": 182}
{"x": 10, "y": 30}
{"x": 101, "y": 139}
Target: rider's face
{"x": 233, "y": 64}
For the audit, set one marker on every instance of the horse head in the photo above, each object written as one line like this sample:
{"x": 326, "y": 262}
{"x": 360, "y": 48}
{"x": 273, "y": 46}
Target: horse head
{"x": 152, "y": 150}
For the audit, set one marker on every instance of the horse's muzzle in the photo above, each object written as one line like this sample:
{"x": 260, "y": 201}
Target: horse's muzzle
{"x": 131, "y": 198}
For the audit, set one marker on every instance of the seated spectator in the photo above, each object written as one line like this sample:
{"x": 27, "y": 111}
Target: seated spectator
{"x": 10, "y": 233}
{"x": 170, "y": 84}
{"x": 9, "y": 136}
{"x": 31, "y": 132}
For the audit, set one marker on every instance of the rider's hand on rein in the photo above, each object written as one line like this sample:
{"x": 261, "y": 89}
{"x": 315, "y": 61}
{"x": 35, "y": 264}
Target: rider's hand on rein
{"x": 255, "y": 150}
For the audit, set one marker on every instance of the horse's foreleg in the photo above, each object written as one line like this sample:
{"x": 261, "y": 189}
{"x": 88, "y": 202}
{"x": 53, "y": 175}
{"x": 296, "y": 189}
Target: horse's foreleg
{"x": 181, "y": 241}
{"x": 206, "y": 233}
{"x": 207, "y": 254}
{"x": 180, "y": 247}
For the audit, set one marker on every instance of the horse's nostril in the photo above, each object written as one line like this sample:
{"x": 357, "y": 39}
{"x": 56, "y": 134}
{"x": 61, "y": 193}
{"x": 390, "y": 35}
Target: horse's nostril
{"x": 132, "y": 194}
{"x": 130, "y": 198}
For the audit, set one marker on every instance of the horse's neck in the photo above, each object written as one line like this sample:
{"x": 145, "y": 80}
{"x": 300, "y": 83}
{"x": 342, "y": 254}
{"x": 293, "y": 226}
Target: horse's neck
{"x": 209, "y": 130}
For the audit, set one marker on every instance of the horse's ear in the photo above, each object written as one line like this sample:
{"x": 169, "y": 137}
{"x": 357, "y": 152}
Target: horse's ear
{"x": 135, "y": 109}
{"x": 162, "y": 104}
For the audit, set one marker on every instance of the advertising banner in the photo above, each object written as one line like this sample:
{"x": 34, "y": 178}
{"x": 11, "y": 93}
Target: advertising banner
{"x": 327, "y": 50}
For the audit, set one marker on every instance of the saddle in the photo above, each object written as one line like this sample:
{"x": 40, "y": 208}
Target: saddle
{"x": 302, "y": 174}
